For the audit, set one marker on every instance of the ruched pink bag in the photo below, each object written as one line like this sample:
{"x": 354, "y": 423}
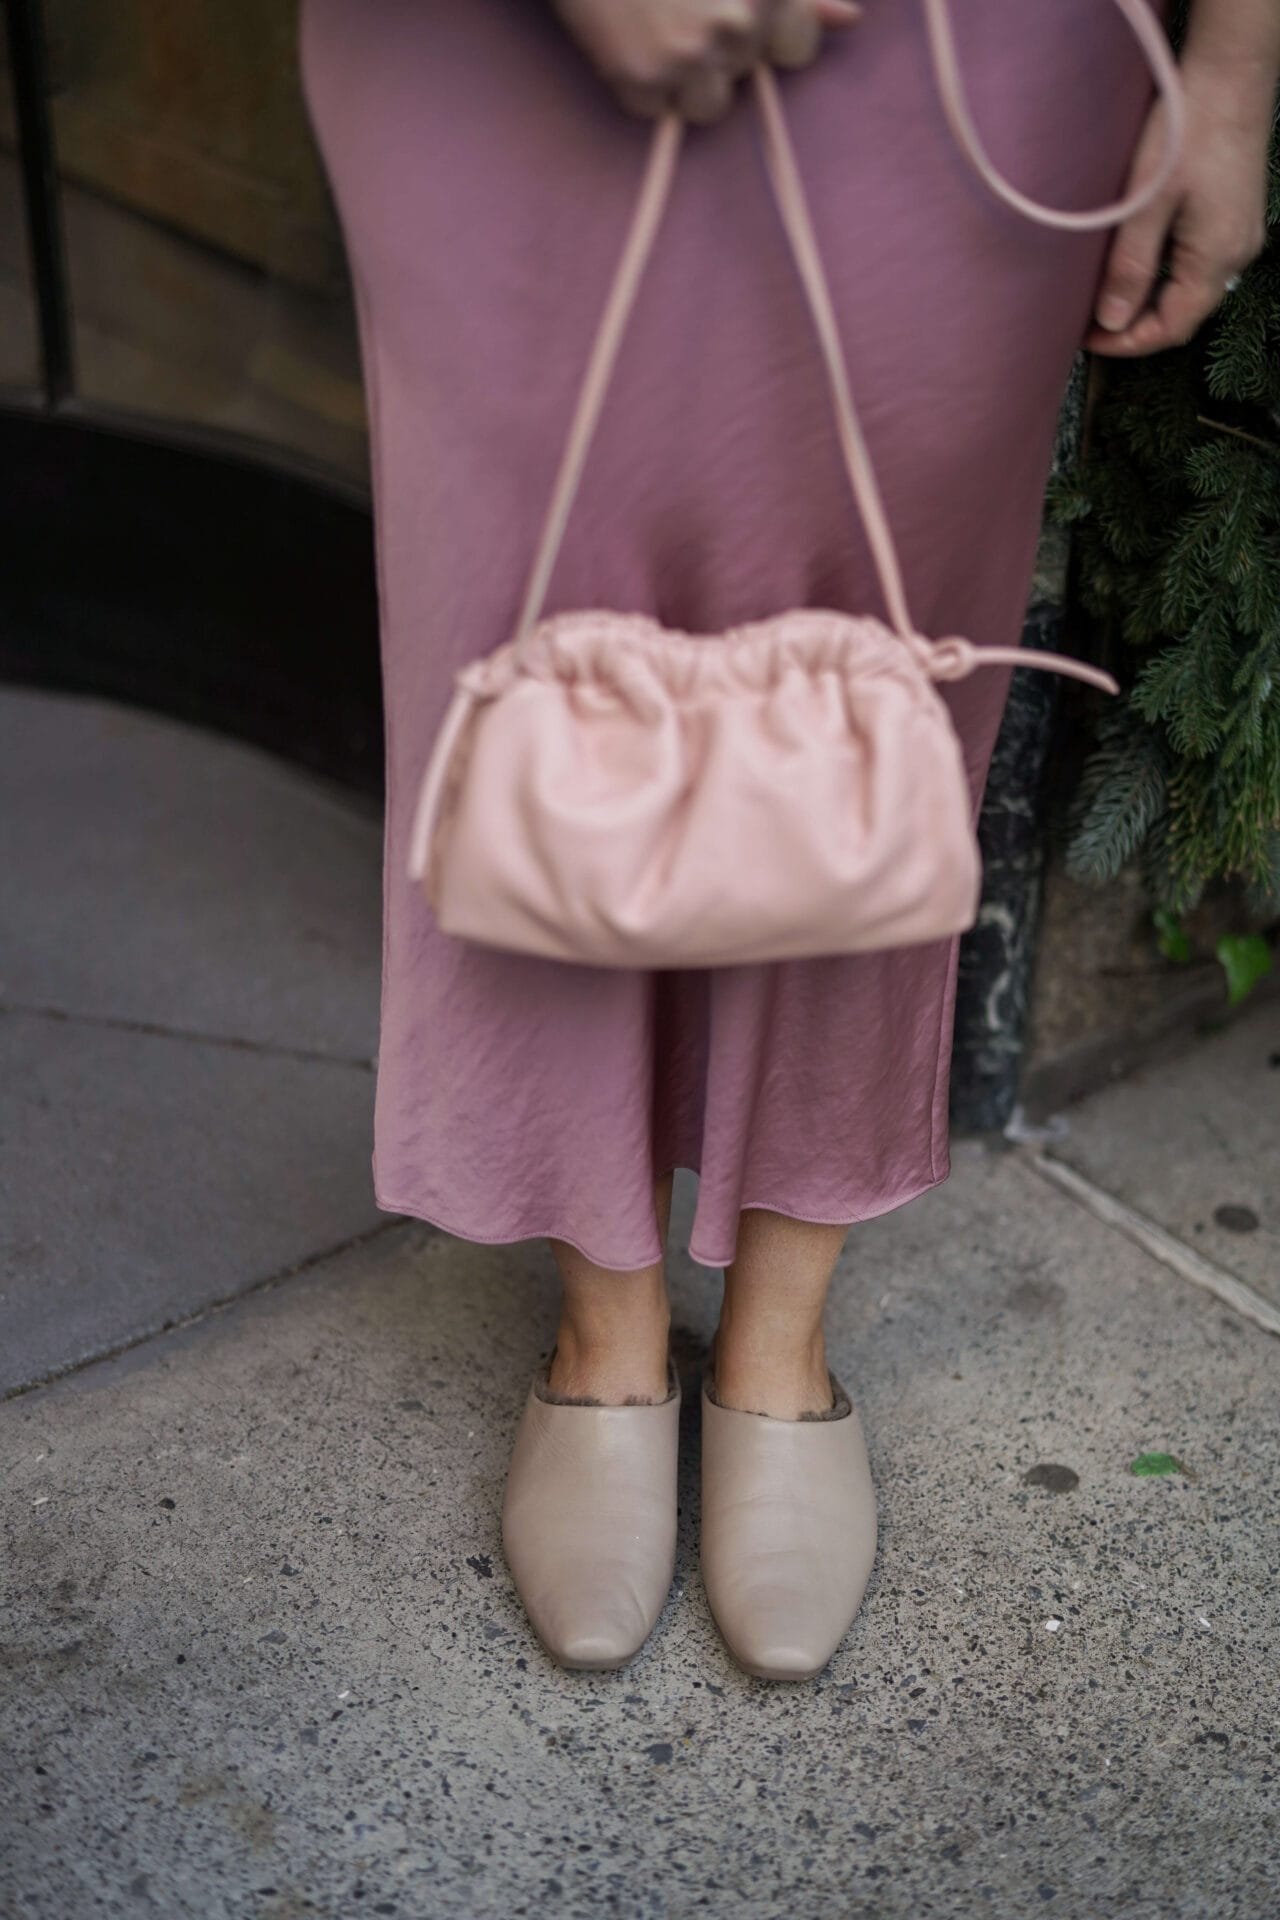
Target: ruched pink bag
{"x": 606, "y": 790}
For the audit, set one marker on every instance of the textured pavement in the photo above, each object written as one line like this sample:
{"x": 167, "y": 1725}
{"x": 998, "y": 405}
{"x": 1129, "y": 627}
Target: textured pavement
{"x": 262, "y": 1654}
{"x": 189, "y": 954}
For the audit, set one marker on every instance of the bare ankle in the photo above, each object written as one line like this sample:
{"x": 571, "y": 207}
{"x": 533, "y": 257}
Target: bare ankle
{"x": 611, "y": 1367}
{"x": 782, "y": 1372}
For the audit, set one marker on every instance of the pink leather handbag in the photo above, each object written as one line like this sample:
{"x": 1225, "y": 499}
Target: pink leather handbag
{"x": 605, "y": 790}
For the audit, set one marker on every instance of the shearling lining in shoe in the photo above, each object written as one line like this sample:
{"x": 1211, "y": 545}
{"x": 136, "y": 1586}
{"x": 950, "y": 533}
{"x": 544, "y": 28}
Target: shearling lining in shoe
{"x": 841, "y": 1404}
{"x": 543, "y": 1391}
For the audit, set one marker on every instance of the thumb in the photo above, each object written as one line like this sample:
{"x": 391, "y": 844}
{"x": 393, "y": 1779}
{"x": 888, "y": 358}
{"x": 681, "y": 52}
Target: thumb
{"x": 1132, "y": 263}
{"x": 1133, "y": 256}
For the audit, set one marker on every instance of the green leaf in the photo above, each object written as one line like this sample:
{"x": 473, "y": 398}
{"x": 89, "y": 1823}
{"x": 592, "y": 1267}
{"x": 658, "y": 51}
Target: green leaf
{"x": 1171, "y": 936}
{"x": 1246, "y": 959}
{"x": 1149, "y": 1464}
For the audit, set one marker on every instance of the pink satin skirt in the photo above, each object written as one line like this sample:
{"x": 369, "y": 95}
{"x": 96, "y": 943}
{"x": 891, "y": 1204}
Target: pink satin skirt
{"x": 483, "y": 178}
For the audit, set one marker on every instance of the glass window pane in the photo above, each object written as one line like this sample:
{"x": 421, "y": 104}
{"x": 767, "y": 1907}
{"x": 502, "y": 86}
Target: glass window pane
{"x": 208, "y": 281}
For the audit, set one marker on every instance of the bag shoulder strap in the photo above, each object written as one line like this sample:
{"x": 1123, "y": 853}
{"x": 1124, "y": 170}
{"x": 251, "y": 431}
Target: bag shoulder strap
{"x": 655, "y": 189}
{"x": 1153, "y": 40}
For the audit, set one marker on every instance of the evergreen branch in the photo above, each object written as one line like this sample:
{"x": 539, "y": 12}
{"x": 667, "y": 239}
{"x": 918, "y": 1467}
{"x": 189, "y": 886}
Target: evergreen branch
{"x": 1238, "y": 433}
{"x": 1176, "y": 531}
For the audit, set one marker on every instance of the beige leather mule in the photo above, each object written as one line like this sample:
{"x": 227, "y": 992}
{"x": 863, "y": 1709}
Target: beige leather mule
{"x": 589, "y": 1521}
{"x": 788, "y": 1532}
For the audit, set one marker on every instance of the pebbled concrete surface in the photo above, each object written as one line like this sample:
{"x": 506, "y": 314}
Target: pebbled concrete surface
{"x": 146, "y": 1177}
{"x": 261, "y": 1655}
{"x": 157, "y": 875}
{"x": 1195, "y": 1143}
{"x": 265, "y": 1657}
{"x": 189, "y": 961}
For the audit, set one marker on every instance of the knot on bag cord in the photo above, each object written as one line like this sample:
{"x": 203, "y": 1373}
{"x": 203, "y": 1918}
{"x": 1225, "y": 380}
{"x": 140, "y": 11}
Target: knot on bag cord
{"x": 951, "y": 658}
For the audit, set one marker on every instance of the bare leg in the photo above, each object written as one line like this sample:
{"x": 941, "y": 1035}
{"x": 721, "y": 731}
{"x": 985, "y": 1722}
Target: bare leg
{"x": 611, "y": 1344}
{"x": 769, "y": 1353}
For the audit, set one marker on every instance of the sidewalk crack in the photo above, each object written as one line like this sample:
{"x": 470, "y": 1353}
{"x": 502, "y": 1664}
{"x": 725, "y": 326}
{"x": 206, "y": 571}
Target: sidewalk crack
{"x": 220, "y": 1305}
{"x": 1156, "y": 1240}
{"x": 156, "y": 1031}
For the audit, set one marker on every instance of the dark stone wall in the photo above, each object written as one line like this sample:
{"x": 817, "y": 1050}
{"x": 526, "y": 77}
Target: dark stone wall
{"x": 997, "y": 955}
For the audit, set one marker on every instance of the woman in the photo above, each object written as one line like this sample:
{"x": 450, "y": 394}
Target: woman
{"x": 484, "y": 156}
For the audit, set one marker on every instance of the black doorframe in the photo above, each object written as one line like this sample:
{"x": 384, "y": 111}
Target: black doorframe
{"x": 29, "y": 70}
{"x": 195, "y": 572}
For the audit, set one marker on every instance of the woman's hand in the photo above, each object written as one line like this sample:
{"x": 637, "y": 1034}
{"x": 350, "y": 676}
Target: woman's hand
{"x": 691, "y": 54}
{"x": 1212, "y": 212}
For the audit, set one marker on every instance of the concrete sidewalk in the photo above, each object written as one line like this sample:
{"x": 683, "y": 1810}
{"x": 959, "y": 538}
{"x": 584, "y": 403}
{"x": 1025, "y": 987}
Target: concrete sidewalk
{"x": 263, "y": 1653}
